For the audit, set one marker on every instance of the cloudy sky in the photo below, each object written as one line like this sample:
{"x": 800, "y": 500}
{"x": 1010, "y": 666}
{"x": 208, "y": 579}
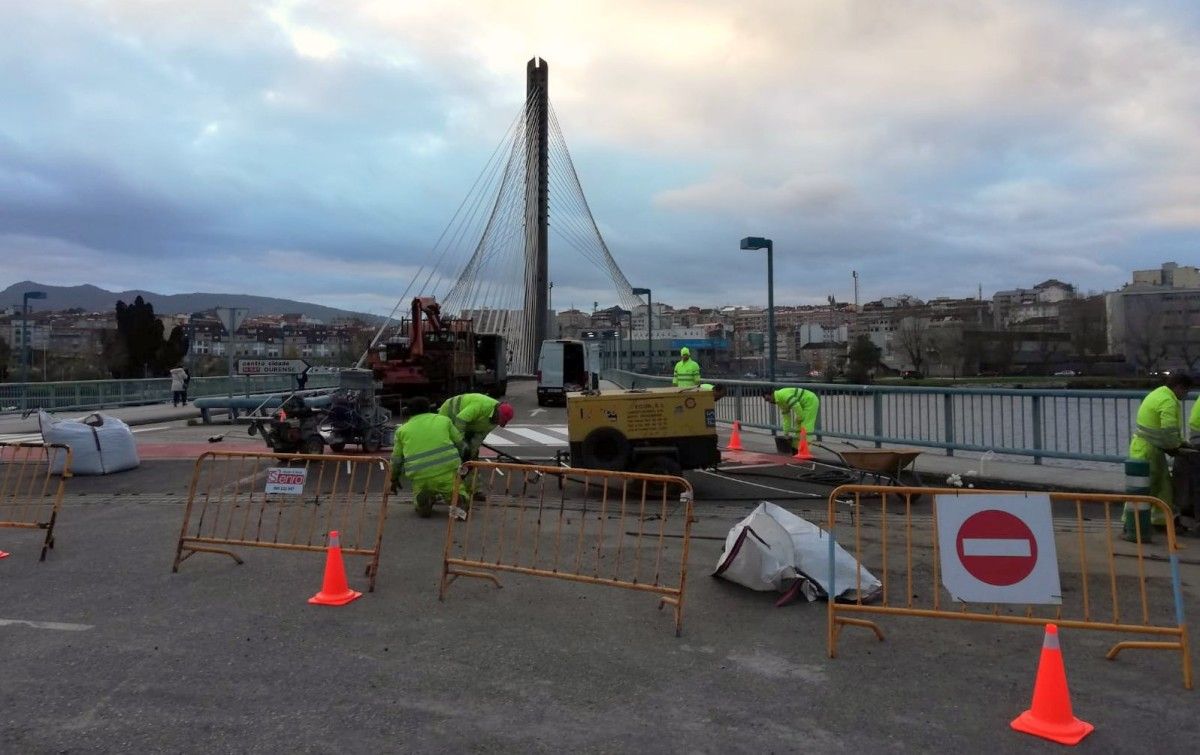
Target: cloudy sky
{"x": 316, "y": 150}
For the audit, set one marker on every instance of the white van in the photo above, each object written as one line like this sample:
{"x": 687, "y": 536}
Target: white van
{"x": 564, "y": 365}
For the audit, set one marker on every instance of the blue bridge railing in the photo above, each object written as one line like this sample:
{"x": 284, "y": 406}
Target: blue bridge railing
{"x": 1038, "y": 423}
{"x": 101, "y": 394}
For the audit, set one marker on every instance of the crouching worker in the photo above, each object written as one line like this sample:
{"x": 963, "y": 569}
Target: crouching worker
{"x": 798, "y": 409}
{"x": 718, "y": 391}
{"x": 427, "y": 449}
{"x": 475, "y": 415}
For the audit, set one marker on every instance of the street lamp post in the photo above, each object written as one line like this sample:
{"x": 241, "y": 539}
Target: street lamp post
{"x": 649, "y": 327}
{"x": 757, "y": 242}
{"x": 25, "y": 355}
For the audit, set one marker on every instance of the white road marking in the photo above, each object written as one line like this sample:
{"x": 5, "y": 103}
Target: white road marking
{"x": 530, "y": 433}
{"x": 46, "y": 625}
{"x": 37, "y": 437}
{"x": 536, "y": 412}
{"x": 984, "y": 546}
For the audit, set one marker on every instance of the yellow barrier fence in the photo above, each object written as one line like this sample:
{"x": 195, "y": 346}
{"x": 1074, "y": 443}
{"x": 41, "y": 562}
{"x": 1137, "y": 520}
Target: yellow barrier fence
{"x": 285, "y": 502}
{"x": 617, "y": 529}
{"x": 30, "y": 496}
{"x": 1107, "y": 583}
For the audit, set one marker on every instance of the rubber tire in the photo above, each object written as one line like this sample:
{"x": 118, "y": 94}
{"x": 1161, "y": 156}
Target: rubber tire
{"x": 541, "y": 400}
{"x": 659, "y": 465}
{"x": 372, "y": 440}
{"x": 337, "y": 448}
{"x": 313, "y": 444}
{"x": 605, "y": 448}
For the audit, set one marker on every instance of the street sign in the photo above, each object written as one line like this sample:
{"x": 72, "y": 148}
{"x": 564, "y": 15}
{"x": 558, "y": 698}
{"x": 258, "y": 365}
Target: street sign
{"x": 286, "y": 480}
{"x": 231, "y": 317}
{"x": 271, "y": 366}
{"x": 998, "y": 548}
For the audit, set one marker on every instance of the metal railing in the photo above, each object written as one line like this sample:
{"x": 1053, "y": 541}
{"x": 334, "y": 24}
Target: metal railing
{"x": 1038, "y": 423}
{"x": 100, "y": 394}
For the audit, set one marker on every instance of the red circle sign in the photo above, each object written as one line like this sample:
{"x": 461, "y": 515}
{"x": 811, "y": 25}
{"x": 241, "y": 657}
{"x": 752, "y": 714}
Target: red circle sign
{"x": 997, "y": 548}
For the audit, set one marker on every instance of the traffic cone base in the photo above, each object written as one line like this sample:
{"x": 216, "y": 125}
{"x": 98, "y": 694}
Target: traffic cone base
{"x": 802, "y": 452}
{"x": 735, "y": 437}
{"x": 1066, "y": 734}
{"x": 1050, "y": 716}
{"x": 335, "y": 591}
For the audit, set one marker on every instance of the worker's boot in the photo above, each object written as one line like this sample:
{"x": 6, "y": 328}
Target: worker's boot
{"x": 423, "y": 502}
{"x": 1131, "y": 530}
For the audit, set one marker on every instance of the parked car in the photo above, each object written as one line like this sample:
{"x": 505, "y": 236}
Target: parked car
{"x": 912, "y": 375}
{"x": 1066, "y": 373}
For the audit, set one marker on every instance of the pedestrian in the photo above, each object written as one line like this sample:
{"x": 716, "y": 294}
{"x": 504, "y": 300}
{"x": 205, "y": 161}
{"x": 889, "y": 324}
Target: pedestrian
{"x": 475, "y": 415}
{"x": 179, "y": 381}
{"x": 687, "y": 371}
{"x": 798, "y": 408}
{"x": 1158, "y": 434}
{"x": 427, "y": 449}
{"x": 302, "y": 379}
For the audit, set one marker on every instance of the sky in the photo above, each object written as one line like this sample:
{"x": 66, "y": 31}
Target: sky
{"x": 317, "y": 150}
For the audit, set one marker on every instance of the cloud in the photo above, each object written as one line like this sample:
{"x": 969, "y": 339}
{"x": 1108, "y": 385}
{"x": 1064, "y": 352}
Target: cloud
{"x": 932, "y": 146}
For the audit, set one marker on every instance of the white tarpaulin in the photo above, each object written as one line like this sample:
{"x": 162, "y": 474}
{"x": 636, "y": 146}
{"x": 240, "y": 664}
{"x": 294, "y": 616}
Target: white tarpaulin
{"x": 99, "y": 445}
{"x": 772, "y": 548}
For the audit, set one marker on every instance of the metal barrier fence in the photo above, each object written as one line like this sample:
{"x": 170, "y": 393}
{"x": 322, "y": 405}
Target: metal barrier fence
{"x": 1127, "y": 589}
{"x": 582, "y": 525}
{"x": 30, "y": 497}
{"x": 285, "y": 502}
{"x": 98, "y": 394}
{"x": 1039, "y": 423}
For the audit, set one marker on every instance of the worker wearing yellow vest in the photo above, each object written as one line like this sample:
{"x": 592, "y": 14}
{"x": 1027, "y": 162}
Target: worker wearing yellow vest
{"x": 475, "y": 415}
{"x": 718, "y": 391}
{"x": 1158, "y": 434}
{"x": 427, "y": 449}
{"x": 1194, "y": 424}
{"x": 798, "y": 408}
{"x": 687, "y": 372}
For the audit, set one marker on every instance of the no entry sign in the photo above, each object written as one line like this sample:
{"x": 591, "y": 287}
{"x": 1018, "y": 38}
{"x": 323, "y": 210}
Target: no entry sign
{"x": 998, "y": 548}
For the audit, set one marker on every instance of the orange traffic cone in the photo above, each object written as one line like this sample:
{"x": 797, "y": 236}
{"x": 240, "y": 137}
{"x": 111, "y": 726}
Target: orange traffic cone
{"x": 802, "y": 453}
{"x": 1050, "y": 715}
{"x": 735, "y": 438}
{"x": 335, "y": 591}
{"x": 4, "y": 554}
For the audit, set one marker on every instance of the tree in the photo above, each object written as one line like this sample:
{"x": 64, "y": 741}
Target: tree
{"x": 5, "y": 355}
{"x": 137, "y": 348}
{"x": 864, "y": 358}
{"x": 1087, "y": 322}
{"x": 913, "y": 336}
{"x": 1145, "y": 336}
{"x": 946, "y": 342}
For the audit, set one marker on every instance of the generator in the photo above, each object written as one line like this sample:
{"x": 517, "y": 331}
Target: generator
{"x": 650, "y": 430}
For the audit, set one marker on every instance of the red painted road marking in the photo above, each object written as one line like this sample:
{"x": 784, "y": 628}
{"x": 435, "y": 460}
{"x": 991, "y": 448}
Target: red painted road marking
{"x": 997, "y": 548}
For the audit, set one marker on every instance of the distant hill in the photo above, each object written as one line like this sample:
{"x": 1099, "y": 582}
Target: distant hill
{"x": 94, "y": 299}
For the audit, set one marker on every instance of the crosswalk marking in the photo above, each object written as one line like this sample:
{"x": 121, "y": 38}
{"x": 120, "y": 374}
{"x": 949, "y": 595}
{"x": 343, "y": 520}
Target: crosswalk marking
{"x": 541, "y": 435}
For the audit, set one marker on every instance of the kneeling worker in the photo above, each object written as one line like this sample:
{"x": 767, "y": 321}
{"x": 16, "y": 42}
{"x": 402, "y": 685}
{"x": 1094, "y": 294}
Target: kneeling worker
{"x": 475, "y": 415}
{"x": 427, "y": 449}
{"x": 798, "y": 408}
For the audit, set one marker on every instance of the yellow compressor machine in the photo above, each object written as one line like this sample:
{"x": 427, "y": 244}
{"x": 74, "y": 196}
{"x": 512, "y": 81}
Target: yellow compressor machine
{"x": 651, "y": 430}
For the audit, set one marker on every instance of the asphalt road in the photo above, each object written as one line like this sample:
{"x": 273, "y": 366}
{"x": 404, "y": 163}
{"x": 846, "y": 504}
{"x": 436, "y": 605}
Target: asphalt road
{"x": 104, "y": 649}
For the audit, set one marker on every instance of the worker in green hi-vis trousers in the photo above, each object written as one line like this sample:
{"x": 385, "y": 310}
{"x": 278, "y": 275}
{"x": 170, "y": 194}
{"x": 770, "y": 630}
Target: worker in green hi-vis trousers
{"x": 1157, "y": 435}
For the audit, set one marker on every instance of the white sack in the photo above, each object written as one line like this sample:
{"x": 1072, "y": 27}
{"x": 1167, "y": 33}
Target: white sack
{"x": 772, "y": 547}
{"x": 99, "y": 445}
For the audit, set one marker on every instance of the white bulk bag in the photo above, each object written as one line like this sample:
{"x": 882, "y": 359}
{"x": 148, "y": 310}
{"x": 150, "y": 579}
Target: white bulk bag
{"x": 772, "y": 548}
{"x": 100, "y": 444}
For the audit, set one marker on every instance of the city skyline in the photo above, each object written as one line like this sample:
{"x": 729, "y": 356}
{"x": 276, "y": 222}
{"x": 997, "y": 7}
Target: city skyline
{"x": 931, "y": 147}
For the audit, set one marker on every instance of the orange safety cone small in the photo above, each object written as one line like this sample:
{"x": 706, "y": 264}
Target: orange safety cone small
{"x": 802, "y": 453}
{"x": 4, "y": 554}
{"x": 1050, "y": 716}
{"x": 335, "y": 591}
{"x": 735, "y": 438}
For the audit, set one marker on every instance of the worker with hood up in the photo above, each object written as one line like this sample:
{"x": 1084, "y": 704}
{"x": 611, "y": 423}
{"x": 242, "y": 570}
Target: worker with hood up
{"x": 687, "y": 371}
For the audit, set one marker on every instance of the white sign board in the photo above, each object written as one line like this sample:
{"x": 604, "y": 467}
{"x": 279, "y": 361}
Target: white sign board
{"x": 998, "y": 548}
{"x": 286, "y": 480}
{"x": 271, "y": 366}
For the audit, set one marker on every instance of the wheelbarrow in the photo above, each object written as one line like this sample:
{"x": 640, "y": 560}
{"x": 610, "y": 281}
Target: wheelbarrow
{"x": 881, "y": 463}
